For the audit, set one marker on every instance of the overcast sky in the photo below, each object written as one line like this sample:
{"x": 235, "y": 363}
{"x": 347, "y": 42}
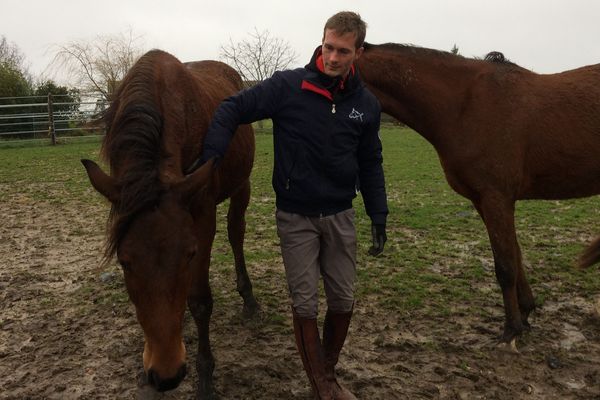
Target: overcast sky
{"x": 543, "y": 35}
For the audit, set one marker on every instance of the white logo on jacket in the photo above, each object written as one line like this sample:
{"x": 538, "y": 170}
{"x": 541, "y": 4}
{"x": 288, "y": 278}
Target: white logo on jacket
{"x": 356, "y": 115}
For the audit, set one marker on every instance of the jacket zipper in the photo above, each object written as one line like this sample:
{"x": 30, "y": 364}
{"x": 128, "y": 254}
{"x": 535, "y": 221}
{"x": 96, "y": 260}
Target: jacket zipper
{"x": 289, "y": 172}
{"x": 333, "y": 108}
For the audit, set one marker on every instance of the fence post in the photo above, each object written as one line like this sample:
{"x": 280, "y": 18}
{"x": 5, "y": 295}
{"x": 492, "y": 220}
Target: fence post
{"x": 51, "y": 130}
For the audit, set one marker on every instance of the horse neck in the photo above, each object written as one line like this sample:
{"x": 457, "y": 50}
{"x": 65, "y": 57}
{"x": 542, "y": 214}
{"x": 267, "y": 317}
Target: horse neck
{"x": 184, "y": 129}
{"x": 423, "y": 91}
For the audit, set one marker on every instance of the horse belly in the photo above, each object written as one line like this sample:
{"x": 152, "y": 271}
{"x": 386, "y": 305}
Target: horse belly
{"x": 573, "y": 182}
{"x": 550, "y": 192}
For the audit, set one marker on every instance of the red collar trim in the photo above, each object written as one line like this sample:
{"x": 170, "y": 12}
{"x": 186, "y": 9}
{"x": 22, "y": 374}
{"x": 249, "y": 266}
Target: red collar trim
{"x": 314, "y": 88}
{"x": 320, "y": 64}
{"x": 321, "y": 67}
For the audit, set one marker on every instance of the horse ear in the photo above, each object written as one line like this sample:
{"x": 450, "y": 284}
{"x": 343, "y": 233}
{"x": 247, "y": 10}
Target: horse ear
{"x": 196, "y": 181}
{"x": 103, "y": 183}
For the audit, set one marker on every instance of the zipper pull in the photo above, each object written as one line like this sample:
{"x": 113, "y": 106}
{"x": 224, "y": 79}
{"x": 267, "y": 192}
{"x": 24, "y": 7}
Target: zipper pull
{"x": 333, "y": 108}
{"x": 287, "y": 184}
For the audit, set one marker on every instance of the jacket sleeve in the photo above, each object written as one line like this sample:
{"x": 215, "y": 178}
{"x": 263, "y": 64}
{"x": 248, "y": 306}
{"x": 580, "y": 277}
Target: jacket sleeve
{"x": 371, "y": 177}
{"x": 249, "y": 105}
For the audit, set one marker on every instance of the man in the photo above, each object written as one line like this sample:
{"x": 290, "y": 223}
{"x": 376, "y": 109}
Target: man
{"x": 325, "y": 133}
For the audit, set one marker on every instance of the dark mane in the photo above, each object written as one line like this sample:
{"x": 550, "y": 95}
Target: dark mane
{"x": 498, "y": 58}
{"x": 494, "y": 56}
{"x": 133, "y": 133}
{"x": 412, "y": 48}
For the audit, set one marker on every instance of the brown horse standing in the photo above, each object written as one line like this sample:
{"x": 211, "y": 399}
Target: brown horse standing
{"x": 502, "y": 134}
{"x": 162, "y": 223}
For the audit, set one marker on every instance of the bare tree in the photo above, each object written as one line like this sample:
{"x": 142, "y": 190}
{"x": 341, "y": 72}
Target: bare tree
{"x": 99, "y": 65}
{"x": 258, "y": 57}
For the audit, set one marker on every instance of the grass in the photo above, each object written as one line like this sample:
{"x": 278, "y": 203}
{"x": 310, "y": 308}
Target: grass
{"x": 45, "y": 172}
{"x": 437, "y": 255}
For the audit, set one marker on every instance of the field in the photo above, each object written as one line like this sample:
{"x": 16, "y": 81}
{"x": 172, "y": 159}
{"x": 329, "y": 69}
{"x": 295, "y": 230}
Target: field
{"x": 426, "y": 315}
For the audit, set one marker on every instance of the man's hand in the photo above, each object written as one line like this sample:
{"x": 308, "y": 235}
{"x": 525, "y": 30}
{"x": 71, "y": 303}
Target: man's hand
{"x": 200, "y": 162}
{"x": 379, "y": 239}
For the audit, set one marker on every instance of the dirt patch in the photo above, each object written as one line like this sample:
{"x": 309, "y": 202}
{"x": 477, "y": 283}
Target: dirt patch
{"x": 67, "y": 331}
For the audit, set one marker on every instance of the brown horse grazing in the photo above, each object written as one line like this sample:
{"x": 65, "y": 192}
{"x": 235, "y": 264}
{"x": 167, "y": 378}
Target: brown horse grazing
{"x": 502, "y": 134}
{"x": 162, "y": 223}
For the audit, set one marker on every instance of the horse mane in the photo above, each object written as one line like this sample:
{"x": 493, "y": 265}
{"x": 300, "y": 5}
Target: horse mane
{"x": 498, "y": 58}
{"x": 495, "y": 57}
{"x": 132, "y": 148}
{"x": 412, "y": 48}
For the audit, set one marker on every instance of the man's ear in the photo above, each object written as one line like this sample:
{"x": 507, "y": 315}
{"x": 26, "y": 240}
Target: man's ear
{"x": 359, "y": 52}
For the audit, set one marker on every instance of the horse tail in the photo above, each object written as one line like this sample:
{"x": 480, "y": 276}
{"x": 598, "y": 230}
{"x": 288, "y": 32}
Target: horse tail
{"x": 591, "y": 254}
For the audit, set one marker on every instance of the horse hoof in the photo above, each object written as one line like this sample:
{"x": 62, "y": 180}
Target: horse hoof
{"x": 510, "y": 347}
{"x": 250, "y": 311}
{"x": 206, "y": 390}
{"x": 207, "y": 396}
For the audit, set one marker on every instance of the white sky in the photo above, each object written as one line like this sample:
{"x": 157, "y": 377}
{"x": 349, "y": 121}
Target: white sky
{"x": 543, "y": 35}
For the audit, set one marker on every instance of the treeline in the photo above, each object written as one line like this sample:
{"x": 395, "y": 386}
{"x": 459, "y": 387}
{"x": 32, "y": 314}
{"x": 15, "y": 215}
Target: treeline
{"x": 17, "y": 87}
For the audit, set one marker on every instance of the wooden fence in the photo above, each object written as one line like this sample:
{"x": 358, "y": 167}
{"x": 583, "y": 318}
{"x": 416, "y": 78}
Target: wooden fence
{"x": 48, "y": 117}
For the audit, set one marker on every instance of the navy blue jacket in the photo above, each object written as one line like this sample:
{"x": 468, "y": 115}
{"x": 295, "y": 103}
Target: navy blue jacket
{"x": 325, "y": 133}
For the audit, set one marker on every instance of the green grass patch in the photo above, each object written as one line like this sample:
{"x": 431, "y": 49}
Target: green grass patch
{"x": 437, "y": 255}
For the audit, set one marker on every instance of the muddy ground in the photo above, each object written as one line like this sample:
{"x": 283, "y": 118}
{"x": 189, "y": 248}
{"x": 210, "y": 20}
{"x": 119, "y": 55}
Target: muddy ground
{"x": 67, "y": 331}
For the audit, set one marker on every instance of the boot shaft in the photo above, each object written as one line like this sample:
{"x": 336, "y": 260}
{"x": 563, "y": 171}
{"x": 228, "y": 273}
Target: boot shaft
{"x": 313, "y": 359}
{"x": 335, "y": 330}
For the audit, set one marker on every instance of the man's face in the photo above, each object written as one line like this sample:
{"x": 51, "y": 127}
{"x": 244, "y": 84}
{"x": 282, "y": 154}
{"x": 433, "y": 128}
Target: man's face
{"x": 339, "y": 52}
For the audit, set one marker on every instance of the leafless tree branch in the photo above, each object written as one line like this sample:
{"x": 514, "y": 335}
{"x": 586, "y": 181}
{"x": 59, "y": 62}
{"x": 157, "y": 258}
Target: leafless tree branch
{"x": 100, "y": 64}
{"x": 258, "y": 57}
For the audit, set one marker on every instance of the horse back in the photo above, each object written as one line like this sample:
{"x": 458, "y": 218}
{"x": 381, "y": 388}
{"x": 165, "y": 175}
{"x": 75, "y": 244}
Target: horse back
{"x": 541, "y": 130}
{"x": 180, "y": 100}
{"x": 564, "y": 134}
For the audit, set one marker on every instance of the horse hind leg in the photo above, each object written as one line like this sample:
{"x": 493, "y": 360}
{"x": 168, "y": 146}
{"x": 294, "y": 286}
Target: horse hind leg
{"x": 236, "y": 229}
{"x": 498, "y": 216}
{"x": 525, "y": 295}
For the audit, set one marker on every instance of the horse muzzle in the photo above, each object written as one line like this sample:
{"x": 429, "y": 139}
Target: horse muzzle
{"x": 161, "y": 383}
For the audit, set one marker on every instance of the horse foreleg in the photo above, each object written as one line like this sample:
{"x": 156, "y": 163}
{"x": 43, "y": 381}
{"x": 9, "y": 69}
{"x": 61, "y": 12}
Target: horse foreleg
{"x": 200, "y": 305}
{"x": 236, "y": 229}
{"x": 498, "y": 216}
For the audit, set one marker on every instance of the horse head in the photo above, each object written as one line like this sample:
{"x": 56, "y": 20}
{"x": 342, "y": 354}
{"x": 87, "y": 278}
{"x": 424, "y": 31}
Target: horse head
{"x": 159, "y": 249}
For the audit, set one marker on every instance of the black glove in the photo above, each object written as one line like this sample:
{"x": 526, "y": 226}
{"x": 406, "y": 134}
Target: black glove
{"x": 200, "y": 162}
{"x": 379, "y": 239}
